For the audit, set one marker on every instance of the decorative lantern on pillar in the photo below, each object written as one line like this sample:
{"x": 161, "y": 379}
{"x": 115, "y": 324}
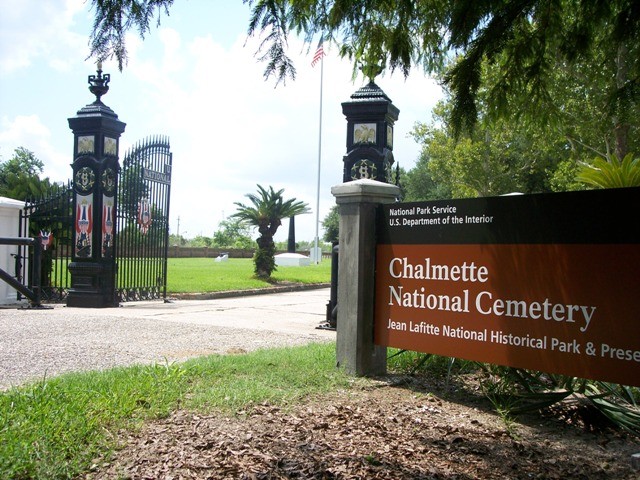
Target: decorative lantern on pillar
{"x": 96, "y": 130}
{"x": 370, "y": 119}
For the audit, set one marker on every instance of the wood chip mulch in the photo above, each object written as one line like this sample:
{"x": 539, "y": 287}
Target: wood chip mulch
{"x": 378, "y": 432}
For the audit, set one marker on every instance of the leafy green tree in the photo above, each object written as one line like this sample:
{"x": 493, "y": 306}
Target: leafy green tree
{"x": 525, "y": 39}
{"x": 528, "y": 149}
{"x": 498, "y": 157}
{"x": 20, "y": 176}
{"x": 528, "y": 42}
{"x": 565, "y": 177}
{"x": 201, "y": 241}
{"x": 233, "y": 233}
{"x": 265, "y": 212}
{"x": 331, "y": 225}
{"x": 307, "y": 245}
{"x": 419, "y": 183}
{"x": 177, "y": 240}
{"x": 581, "y": 100}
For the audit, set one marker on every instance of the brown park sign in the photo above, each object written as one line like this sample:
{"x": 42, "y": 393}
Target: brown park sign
{"x": 547, "y": 282}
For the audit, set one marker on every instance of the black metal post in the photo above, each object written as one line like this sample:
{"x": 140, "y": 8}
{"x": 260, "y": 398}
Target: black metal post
{"x": 36, "y": 269}
{"x": 291, "y": 241}
{"x": 332, "y": 306}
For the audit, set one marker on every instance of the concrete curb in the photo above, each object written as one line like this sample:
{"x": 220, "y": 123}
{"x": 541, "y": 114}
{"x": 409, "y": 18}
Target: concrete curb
{"x": 298, "y": 287}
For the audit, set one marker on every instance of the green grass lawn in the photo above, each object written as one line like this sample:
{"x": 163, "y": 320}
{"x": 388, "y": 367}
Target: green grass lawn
{"x": 57, "y": 427}
{"x": 189, "y": 275}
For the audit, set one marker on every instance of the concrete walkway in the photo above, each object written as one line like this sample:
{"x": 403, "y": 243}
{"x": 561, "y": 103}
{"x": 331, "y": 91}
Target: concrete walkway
{"x": 39, "y": 343}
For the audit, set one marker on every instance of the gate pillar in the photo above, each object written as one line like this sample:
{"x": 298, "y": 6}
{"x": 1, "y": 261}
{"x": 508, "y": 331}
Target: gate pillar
{"x": 96, "y": 130}
{"x": 358, "y": 201}
{"x": 367, "y": 178}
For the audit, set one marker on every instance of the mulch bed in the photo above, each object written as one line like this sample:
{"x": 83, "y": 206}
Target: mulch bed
{"x": 377, "y": 431}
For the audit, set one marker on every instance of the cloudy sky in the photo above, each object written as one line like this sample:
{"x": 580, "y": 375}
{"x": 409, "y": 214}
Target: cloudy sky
{"x": 196, "y": 80}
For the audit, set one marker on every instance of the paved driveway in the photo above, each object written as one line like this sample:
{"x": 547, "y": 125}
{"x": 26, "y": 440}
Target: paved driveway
{"x": 38, "y": 343}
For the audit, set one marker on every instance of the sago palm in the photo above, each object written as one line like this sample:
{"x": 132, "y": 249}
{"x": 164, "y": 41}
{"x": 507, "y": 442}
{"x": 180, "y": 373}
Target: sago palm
{"x": 610, "y": 172}
{"x": 265, "y": 212}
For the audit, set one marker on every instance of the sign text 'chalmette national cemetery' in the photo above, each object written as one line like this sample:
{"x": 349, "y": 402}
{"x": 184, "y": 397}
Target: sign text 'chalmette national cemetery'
{"x": 548, "y": 282}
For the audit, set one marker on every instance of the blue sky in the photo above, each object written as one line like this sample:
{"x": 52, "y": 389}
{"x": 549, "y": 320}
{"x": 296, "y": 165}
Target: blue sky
{"x": 196, "y": 80}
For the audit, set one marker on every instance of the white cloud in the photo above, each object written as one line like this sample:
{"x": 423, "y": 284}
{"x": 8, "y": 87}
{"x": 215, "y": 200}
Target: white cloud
{"x": 29, "y": 132}
{"x": 30, "y": 29}
{"x": 230, "y": 129}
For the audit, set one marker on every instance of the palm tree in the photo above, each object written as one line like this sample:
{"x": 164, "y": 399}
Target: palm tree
{"x": 266, "y": 211}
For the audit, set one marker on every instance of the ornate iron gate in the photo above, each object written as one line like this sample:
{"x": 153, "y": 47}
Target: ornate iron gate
{"x": 52, "y": 219}
{"x": 142, "y": 241}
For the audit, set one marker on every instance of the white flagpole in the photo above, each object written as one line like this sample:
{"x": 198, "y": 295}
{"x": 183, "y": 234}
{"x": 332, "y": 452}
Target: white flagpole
{"x": 319, "y": 256}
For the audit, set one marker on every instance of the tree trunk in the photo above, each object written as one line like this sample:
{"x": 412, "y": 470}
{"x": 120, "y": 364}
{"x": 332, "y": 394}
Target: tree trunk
{"x": 620, "y": 123}
{"x": 264, "y": 258}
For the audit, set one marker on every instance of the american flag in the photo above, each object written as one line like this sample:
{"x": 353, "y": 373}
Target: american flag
{"x": 319, "y": 53}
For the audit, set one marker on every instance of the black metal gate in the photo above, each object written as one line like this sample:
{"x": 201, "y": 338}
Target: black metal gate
{"x": 50, "y": 218}
{"x": 142, "y": 242}
{"x": 142, "y": 239}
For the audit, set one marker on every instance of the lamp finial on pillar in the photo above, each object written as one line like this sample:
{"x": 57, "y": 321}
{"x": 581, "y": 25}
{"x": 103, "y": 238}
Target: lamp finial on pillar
{"x": 99, "y": 84}
{"x": 371, "y": 71}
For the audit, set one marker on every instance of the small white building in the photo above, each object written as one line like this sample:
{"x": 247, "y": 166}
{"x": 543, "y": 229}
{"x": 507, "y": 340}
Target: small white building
{"x": 9, "y": 227}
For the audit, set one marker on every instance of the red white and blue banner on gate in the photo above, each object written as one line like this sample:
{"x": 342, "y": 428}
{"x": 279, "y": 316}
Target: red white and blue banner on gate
{"x": 84, "y": 226}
